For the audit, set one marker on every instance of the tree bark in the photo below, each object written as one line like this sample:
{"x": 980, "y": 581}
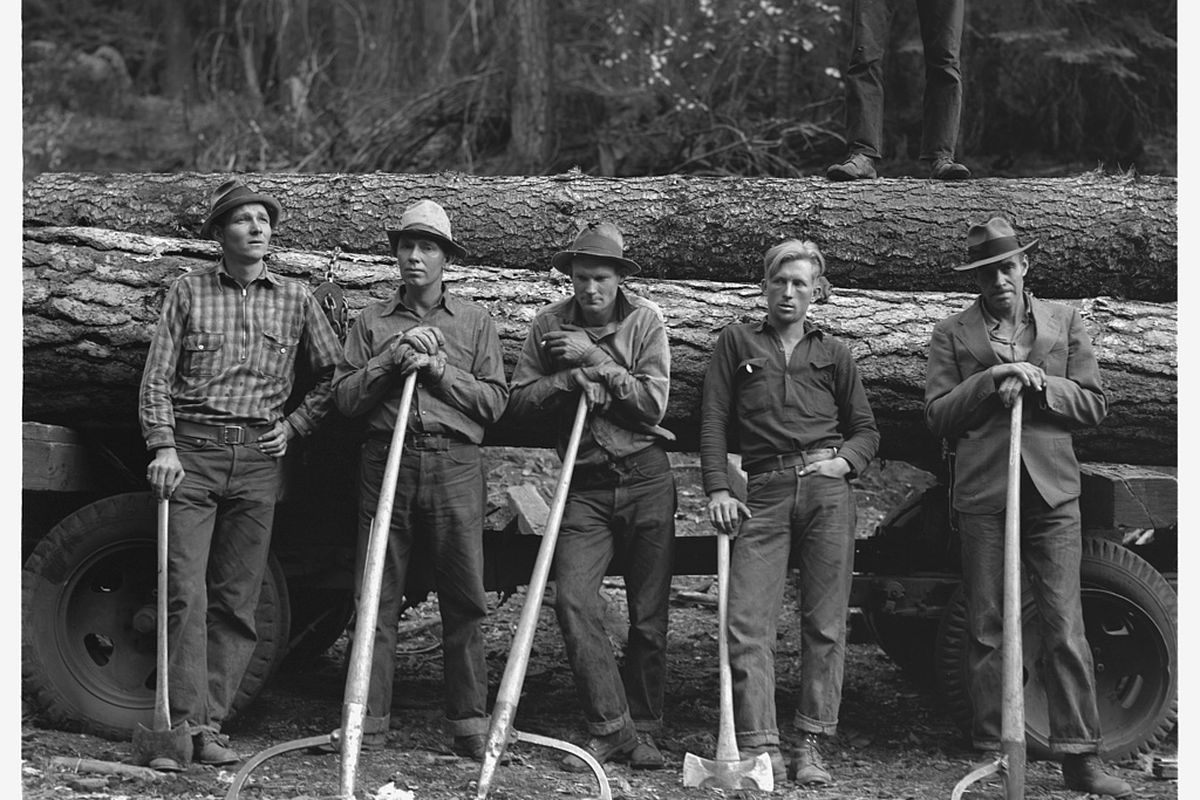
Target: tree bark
{"x": 529, "y": 144}
{"x": 1098, "y": 235}
{"x": 92, "y": 298}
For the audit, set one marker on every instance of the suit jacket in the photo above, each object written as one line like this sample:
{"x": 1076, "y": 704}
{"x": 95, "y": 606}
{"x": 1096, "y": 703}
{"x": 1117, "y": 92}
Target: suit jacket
{"x": 963, "y": 406}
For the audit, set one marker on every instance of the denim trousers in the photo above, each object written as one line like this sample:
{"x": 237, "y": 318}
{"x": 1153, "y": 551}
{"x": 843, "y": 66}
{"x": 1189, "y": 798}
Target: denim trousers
{"x": 1051, "y": 547}
{"x": 624, "y": 514}
{"x": 439, "y": 506}
{"x": 814, "y": 514}
{"x": 220, "y": 533}
{"x": 941, "y": 23}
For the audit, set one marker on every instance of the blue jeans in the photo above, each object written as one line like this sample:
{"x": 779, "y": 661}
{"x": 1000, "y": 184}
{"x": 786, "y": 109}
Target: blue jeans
{"x": 626, "y": 513}
{"x": 220, "y": 534}
{"x": 439, "y": 501}
{"x": 1051, "y": 545}
{"x": 941, "y": 35}
{"x": 814, "y": 514}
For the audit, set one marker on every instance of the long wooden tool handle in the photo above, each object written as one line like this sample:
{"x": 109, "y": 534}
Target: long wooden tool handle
{"x": 509, "y": 693}
{"x": 726, "y": 739}
{"x": 1012, "y": 690}
{"x": 359, "y": 678}
{"x": 162, "y": 703}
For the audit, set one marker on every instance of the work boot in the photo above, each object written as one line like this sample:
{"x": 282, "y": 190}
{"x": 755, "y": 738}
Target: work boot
{"x": 857, "y": 166}
{"x": 1083, "y": 773}
{"x": 210, "y": 747}
{"x": 946, "y": 168}
{"x": 810, "y": 768}
{"x": 615, "y": 746}
{"x": 778, "y": 766}
{"x": 646, "y": 755}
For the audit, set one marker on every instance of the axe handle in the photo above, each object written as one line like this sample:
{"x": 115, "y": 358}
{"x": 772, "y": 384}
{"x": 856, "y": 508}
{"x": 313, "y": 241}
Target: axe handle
{"x": 367, "y": 614}
{"x": 726, "y": 738}
{"x": 505, "y": 709}
{"x": 162, "y": 703}
{"x": 1012, "y": 690}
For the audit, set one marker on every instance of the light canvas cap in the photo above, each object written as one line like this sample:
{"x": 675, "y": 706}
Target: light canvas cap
{"x": 426, "y": 218}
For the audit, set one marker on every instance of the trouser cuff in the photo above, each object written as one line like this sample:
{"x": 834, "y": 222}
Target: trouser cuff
{"x": 757, "y": 739}
{"x": 605, "y": 727}
{"x": 810, "y": 725}
{"x": 469, "y": 726}
{"x": 647, "y": 725}
{"x": 1071, "y": 747}
{"x": 376, "y": 724}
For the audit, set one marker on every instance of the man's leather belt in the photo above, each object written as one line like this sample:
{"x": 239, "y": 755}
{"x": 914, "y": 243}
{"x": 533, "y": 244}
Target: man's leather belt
{"x": 221, "y": 434}
{"x": 772, "y": 463}
{"x": 418, "y": 440}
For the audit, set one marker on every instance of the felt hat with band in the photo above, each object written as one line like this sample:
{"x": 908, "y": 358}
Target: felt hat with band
{"x": 992, "y": 241}
{"x": 426, "y": 219}
{"x": 231, "y": 194}
{"x": 599, "y": 240}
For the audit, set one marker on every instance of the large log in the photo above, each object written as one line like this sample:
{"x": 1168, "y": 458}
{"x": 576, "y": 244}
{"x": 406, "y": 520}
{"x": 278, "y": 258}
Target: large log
{"x": 1100, "y": 235}
{"x": 91, "y": 299}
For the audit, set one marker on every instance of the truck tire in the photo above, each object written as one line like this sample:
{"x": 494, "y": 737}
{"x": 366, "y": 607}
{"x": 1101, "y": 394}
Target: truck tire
{"x": 319, "y": 618}
{"x": 908, "y": 641}
{"x": 1130, "y": 613}
{"x": 84, "y": 665}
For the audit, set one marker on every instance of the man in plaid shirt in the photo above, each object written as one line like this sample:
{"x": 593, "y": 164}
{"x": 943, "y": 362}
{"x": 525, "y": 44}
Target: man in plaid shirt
{"x": 220, "y": 367}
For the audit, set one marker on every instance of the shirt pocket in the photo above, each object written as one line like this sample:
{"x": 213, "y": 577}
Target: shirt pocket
{"x": 752, "y": 386}
{"x": 811, "y": 388}
{"x": 279, "y": 353}
{"x": 202, "y": 354}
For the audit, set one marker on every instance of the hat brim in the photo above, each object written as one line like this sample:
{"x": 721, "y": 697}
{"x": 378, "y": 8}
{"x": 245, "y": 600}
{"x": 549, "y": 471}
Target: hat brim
{"x": 983, "y": 262}
{"x": 274, "y": 210}
{"x": 454, "y": 248}
{"x": 562, "y": 261}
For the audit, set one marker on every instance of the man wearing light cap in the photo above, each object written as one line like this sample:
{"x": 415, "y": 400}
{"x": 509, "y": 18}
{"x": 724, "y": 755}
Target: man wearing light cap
{"x": 612, "y": 346}
{"x": 1009, "y": 343}
{"x": 793, "y": 398}
{"x": 452, "y": 345}
{"x": 221, "y": 365}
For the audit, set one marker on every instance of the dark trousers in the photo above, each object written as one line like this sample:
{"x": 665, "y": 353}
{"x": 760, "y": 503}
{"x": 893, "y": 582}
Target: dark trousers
{"x": 439, "y": 500}
{"x": 1051, "y": 548}
{"x": 625, "y": 511}
{"x": 220, "y": 533}
{"x": 941, "y": 35}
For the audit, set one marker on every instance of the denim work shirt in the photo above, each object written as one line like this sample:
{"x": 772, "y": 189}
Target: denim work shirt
{"x": 813, "y": 401}
{"x": 471, "y": 393}
{"x": 636, "y": 368}
{"x": 224, "y": 354}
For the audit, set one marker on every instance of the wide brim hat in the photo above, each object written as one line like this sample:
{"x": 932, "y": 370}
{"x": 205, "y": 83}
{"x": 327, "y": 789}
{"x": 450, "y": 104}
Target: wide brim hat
{"x": 231, "y": 194}
{"x": 426, "y": 219}
{"x": 598, "y": 240}
{"x": 994, "y": 240}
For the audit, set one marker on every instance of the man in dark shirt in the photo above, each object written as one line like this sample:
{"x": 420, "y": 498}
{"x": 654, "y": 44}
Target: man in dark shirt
{"x": 220, "y": 367}
{"x": 802, "y": 419}
{"x": 452, "y": 345}
{"x": 611, "y": 345}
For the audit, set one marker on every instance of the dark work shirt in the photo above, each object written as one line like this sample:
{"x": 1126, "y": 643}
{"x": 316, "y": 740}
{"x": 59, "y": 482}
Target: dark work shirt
{"x": 815, "y": 400}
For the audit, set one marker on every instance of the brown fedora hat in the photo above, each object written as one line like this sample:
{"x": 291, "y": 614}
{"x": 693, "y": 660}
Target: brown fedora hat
{"x": 231, "y": 194}
{"x": 599, "y": 240}
{"x": 427, "y": 219}
{"x": 992, "y": 241}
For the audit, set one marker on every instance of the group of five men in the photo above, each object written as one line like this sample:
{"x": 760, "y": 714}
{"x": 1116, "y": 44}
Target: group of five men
{"x": 222, "y": 363}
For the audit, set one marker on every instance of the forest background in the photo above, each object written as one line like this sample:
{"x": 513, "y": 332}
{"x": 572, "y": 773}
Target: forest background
{"x": 615, "y": 88}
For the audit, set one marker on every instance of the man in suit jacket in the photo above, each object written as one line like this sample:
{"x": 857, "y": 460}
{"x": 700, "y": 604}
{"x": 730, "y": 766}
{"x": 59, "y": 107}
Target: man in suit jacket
{"x": 1005, "y": 344}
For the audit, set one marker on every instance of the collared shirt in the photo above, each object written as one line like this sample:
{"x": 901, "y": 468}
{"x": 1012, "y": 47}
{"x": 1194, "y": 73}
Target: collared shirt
{"x": 225, "y": 354}
{"x": 1016, "y": 347}
{"x": 636, "y": 368}
{"x": 471, "y": 393}
{"x": 811, "y": 401}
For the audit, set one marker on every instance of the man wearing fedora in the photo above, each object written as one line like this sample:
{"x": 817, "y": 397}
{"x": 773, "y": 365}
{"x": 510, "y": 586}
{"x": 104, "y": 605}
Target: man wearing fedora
{"x": 222, "y": 363}
{"x": 612, "y": 346}
{"x": 1009, "y": 343}
{"x": 452, "y": 345}
{"x": 794, "y": 400}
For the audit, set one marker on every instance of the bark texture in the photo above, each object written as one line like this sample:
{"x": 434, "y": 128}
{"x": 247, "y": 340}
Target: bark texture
{"x": 1099, "y": 235}
{"x": 92, "y": 298}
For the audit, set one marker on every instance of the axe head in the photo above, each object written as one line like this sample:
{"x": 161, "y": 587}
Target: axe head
{"x": 746, "y": 773}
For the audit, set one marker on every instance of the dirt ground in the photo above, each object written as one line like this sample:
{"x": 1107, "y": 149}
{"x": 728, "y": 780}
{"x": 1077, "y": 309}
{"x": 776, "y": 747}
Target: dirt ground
{"x": 894, "y": 740}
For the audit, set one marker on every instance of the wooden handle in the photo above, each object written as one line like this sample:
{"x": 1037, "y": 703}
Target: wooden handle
{"x": 726, "y": 738}
{"x": 1012, "y": 689}
{"x": 162, "y": 703}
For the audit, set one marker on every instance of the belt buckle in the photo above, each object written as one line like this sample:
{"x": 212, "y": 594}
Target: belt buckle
{"x": 239, "y": 434}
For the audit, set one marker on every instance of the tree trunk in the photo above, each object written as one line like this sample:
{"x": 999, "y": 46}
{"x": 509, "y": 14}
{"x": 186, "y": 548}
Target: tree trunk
{"x": 92, "y": 298}
{"x": 1098, "y": 235}
{"x": 529, "y": 145}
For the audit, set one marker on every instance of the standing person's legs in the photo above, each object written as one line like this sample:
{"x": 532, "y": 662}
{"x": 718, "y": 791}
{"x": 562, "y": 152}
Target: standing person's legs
{"x": 451, "y": 502}
{"x": 824, "y": 526}
{"x": 869, "y": 24}
{"x": 236, "y": 566}
{"x": 982, "y": 537}
{"x": 941, "y": 36}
